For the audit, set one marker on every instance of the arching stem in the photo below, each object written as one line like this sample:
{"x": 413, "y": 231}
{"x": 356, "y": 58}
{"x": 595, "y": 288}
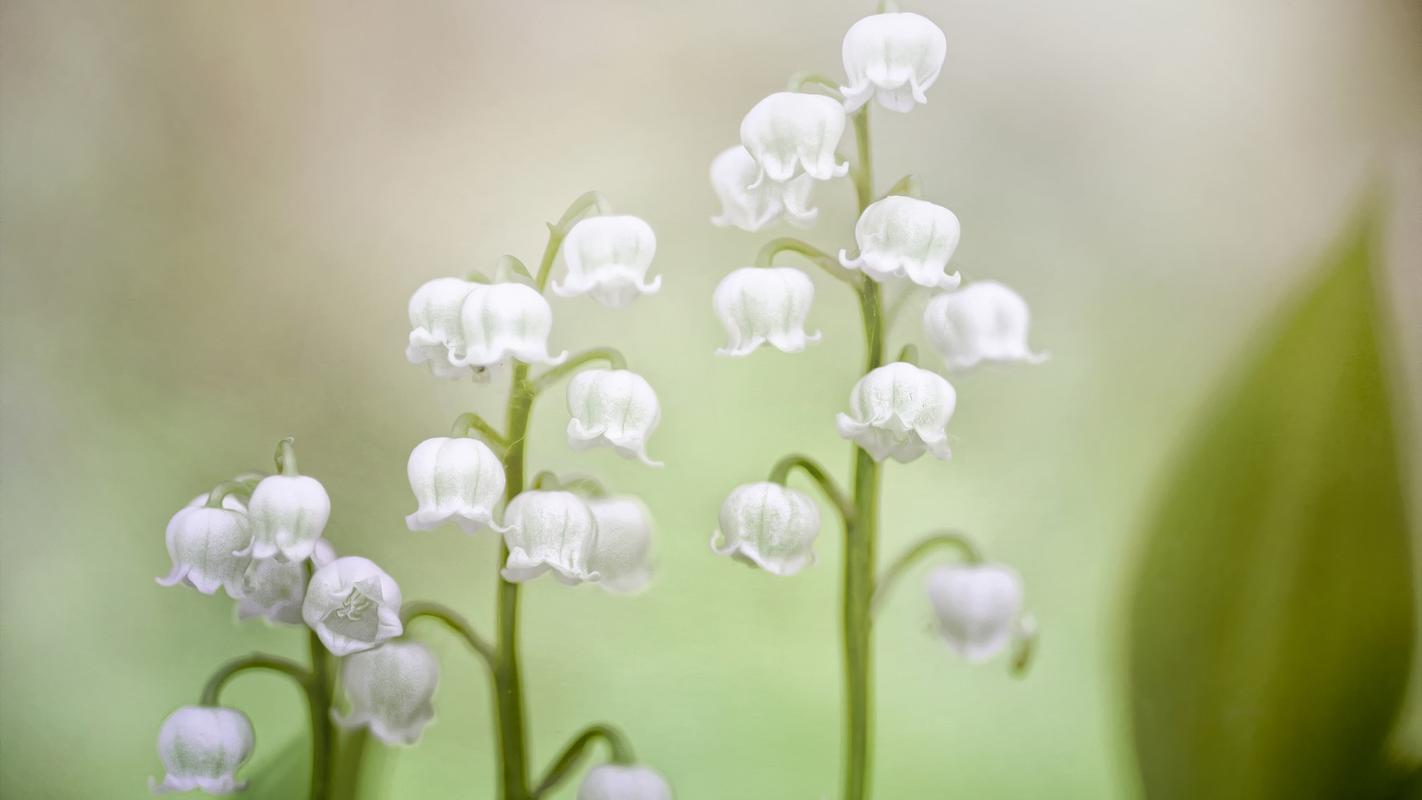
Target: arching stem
{"x": 938, "y": 540}
{"x": 469, "y": 421}
{"x": 613, "y": 357}
{"x": 817, "y": 473}
{"x": 816, "y": 256}
{"x": 567, "y": 761}
{"x": 446, "y": 616}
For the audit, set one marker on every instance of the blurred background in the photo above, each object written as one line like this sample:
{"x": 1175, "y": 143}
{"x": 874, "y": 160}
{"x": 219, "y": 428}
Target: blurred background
{"x": 212, "y": 215}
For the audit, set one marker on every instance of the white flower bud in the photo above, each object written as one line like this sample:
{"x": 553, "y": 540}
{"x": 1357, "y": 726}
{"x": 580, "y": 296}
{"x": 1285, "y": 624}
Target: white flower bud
{"x": 760, "y": 306}
{"x": 502, "y": 321}
{"x": 984, "y": 321}
{"x": 352, "y": 605}
{"x": 750, "y": 209}
{"x": 608, "y": 257}
{"x": 202, "y": 747}
{"x": 900, "y": 410}
{"x": 549, "y": 530}
{"x": 624, "y": 782}
{"x": 976, "y": 607}
{"x": 893, "y": 58}
{"x": 613, "y": 407}
{"x": 794, "y": 133}
{"x": 390, "y": 689}
{"x": 437, "y": 329}
{"x": 903, "y": 237}
{"x": 769, "y": 526}
{"x": 287, "y": 514}
{"x": 275, "y": 589}
{"x": 454, "y": 479}
{"x": 622, "y": 550}
{"x": 205, "y": 544}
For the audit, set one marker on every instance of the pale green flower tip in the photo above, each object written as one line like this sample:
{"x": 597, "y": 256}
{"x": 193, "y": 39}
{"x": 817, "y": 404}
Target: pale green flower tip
{"x": 201, "y": 748}
{"x": 983, "y": 322}
{"x": 901, "y": 411}
{"x": 759, "y": 306}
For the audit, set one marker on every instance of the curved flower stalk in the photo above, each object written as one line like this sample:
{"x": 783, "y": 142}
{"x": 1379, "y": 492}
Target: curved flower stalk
{"x": 892, "y": 58}
{"x": 984, "y": 321}
{"x": 454, "y": 479}
{"x": 759, "y": 306}
{"x": 751, "y": 208}
{"x": 202, "y": 748}
{"x": 608, "y": 258}
{"x": 900, "y": 411}
{"x": 621, "y": 553}
{"x": 903, "y": 237}
{"x": 390, "y": 690}
{"x": 977, "y": 608}
{"x": 352, "y": 605}
{"x": 624, "y": 782}
{"x": 794, "y": 133}
{"x": 768, "y": 526}
{"x": 613, "y": 407}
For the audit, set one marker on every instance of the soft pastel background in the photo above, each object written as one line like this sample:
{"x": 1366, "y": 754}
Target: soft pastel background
{"x": 211, "y": 216}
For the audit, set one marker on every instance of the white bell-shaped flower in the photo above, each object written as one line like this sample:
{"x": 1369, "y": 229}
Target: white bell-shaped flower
{"x": 760, "y": 306}
{"x": 622, "y": 551}
{"x": 900, "y": 410}
{"x": 976, "y": 607}
{"x": 549, "y": 531}
{"x": 613, "y": 407}
{"x": 750, "y": 209}
{"x": 275, "y": 590}
{"x": 208, "y": 547}
{"x": 502, "y": 321}
{"x": 202, "y": 747}
{"x": 390, "y": 689}
{"x": 352, "y": 605}
{"x": 794, "y": 133}
{"x": 455, "y": 479}
{"x": 892, "y": 58}
{"x": 608, "y": 257}
{"x": 904, "y": 237}
{"x": 769, "y": 526}
{"x": 624, "y": 782}
{"x": 437, "y": 329}
{"x": 287, "y": 514}
{"x": 983, "y": 321}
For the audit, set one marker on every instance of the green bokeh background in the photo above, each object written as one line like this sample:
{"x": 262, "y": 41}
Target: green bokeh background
{"x": 211, "y": 217}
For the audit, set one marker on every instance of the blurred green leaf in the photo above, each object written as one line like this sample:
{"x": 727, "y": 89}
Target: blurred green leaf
{"x": 1272, "y": 618}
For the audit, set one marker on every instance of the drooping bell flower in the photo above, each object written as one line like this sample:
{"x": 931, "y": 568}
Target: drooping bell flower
{"x": 275, "y": 590}
{"x": 549, "y": 531}
{"x": 760, "y": 306}
{"x": 208, "y": 547}
{"x": 390, "y": 690}
{"x": 202, "y": 747}
{"x": 904, "y": 237}
{"x": 899, "y": 410}
{"x": 976, "y": 607}
{"x": 608, "y": 258}
{"x": 287, "y": 514}
{"x": 768, "y": 526}
{"x": 984, "y": 321}
{"x": 750, "y": 209}
{"x": 456, "y": 479}
{"x": 501, "y": 321}
{"x": 624, "y": 782}
{"x": 613, "y": 407}
{"x": 794, "y": 133}
{"x": 621, "y": 553}
{"x": 892, "y": 58}
{"x": 437, "y": 328}
{"x": 352, "y": 605}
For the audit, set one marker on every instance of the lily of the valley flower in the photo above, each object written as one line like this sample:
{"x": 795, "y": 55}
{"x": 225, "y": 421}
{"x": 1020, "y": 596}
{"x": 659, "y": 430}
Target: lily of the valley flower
{"x": 275, "y": 590}
{"x": 900, "y": 410}
{"x": 352, "y": 605}
{"x": 454, "y": 479}
{"x": 500, "y": 321}
{"x": 760, "y": 306}
{"x": 768, "y": 526}
{"x": 621, "y": 553}
{"x": 976, "y": 606}
{"x": 892, "y": 58}
{"x": 390, "y": 689}
{"x": 608, "y": 257}
{"x": 549, "y": 531}
{"x": 613, "y": 407}
{"x": 750, "y": 209}
{"x": 202, "y": 747}
{"x": 794, "y": 133}
{"x": 984, "y": 321}
{"x": 624, "y": 782}
{"x": 208, "y": 547}
{"x": 904, "y": 237}
{"x": 437, "y": 329}
{"x": 287, "y": 515}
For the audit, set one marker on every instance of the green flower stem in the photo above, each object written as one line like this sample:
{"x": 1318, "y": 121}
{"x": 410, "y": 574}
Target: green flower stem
{"x": 222, "y": 490}
{"x": 816, "y": 256}
{"x": 546, "y": 481}
{"x": 417, "y": 609}
{"x": 286, "y": 456}
{"x": 350, "y": 755}
{"x": 1025, "y": 647}
{"x": 567, "y": 761}
{"x": 611, "y": 355}
{"x": 907, "y": 186}
{"x": 807, "y": 81}
{"x": 781, "y": 471}
{"x": 938, "y": 540}
{"x": 469, "y": 421}
{"x": 212, "y": 690}
{"x": 909, "y": 354}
